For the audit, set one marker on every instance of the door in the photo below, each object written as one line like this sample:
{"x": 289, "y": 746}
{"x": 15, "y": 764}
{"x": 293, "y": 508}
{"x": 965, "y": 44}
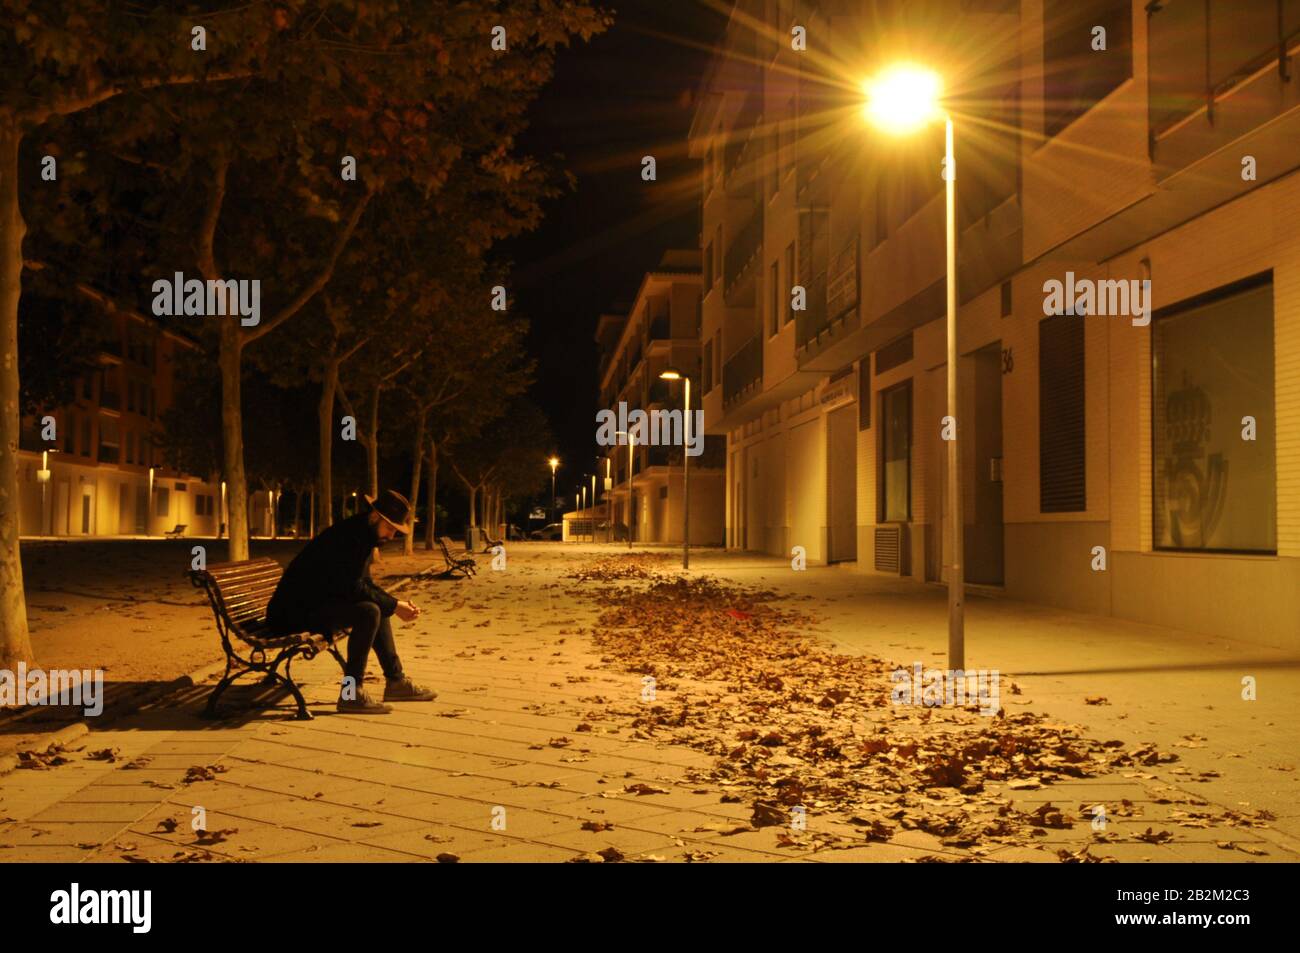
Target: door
{"x": 979, "y": 398}
{"x": 842, "y": 483}
{"x": 141, "y": 510}
{"x": 982, "y": 467}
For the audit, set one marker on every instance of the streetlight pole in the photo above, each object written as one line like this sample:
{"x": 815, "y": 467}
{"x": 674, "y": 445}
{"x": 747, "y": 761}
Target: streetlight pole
{"x": 957, "y": 571}
{"x": 593, "y": 507}
{"x": 554, "y": 462}
{"x": 903, "y": 99}
{"x": 631, "y": 452}
{"x": 672, "y": 374}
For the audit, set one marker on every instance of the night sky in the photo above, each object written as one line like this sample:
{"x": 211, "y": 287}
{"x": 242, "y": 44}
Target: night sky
{"x": 628, "y": 93}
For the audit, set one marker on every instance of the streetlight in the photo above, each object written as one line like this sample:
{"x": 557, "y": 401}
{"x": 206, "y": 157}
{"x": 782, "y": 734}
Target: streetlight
{"x": 593, "y": 507}
{"x": 902, "y": 100}
{"x": 672, "y": 374}
{"x": 631, "y": 450}
{"x": 554, "y": 462}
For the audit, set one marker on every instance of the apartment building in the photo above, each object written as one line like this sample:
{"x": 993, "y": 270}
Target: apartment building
{"x": 646, "y": 483}
{"x": 1145, "y": 466}
{"x": 104, "y": 474}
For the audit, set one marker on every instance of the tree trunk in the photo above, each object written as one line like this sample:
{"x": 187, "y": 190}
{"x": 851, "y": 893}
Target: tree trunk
{"x": 297, "y": 513}
{"x": 325, "y": 444}
{"x": 431, "y": 481}
{"x": 15, "y": 640}
{"x": 372, "y": 445}
{"x": 417, "y": 458}
{"x": 473, "y": 505}
{"x": 232, "y": 435}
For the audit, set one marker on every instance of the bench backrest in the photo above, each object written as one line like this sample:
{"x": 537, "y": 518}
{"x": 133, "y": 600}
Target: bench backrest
{"x": 240, "y": 591}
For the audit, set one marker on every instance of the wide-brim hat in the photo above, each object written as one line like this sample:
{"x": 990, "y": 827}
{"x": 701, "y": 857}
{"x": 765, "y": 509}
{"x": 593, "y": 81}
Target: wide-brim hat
{"x": 393, "y": 508}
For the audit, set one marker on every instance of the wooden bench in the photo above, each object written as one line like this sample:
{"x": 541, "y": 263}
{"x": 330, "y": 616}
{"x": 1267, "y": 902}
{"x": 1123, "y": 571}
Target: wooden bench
{"x": 456, "y": 564}
{"x": 489, "y": 542}
{"x": 178, "y": 532}
{"x": 239, "y": 593}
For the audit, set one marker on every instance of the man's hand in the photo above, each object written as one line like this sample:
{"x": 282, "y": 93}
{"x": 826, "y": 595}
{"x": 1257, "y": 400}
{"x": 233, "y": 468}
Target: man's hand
{"x": 407, "y": 611}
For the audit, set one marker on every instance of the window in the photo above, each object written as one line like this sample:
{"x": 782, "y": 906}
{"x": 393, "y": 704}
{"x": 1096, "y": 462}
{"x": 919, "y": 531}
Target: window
{"x": 1062, "y": 471}
{"x": 881, "y": 231}
{"x": 789, "y": 280}
{"x": 708, "y": 367}
{"x": 717, "y": 253}
{"x": 85, "y": 437}
{"x": 69, "y": 431}
{"x": 774, "y": 300}
{"x": 109, "y": 442}
{"x": 708, "y": 268}
{"x": 162, "y": 501}
{"x": 717, "y": 356}
{"x": 1075, "y": 76}
{"x": 1212, "y": 366}
{"x": 896, "y": 453}
{"x": 894, "y": 354}
{"x": 864, "y": 393}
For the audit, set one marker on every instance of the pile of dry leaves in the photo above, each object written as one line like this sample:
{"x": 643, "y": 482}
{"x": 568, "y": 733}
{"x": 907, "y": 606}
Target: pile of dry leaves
{"x": 792, "y": 723}
{"x": 622, "y": 566}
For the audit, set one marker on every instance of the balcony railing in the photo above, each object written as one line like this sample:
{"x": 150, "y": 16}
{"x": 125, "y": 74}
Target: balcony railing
{"x": 743, "y": 371}
{"x": 661, "y": 328}
{"x": 743, "y": 250}
{"x": 1196, "y": 54}
{"x": 815, "y": 319}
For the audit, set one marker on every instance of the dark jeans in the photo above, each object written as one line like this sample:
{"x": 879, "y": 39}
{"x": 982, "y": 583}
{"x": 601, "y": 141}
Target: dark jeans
{"x": 367, "y": 628}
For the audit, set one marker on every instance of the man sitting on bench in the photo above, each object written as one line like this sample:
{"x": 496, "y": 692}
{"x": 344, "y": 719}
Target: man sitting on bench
{"x": 328, "y": 587}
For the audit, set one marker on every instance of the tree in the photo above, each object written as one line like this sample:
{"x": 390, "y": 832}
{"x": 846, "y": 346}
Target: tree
{"x": 516, "y": 440}
{"x": 376, "y": 80}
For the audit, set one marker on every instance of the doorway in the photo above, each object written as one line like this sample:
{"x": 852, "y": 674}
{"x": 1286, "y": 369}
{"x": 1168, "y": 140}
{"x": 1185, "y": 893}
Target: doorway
{"x": 982, "y": 467}
{"x": 842, "y": 483}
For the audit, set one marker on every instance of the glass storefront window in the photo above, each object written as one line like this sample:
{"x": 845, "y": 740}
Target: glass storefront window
{"x": 1212, "y": 367}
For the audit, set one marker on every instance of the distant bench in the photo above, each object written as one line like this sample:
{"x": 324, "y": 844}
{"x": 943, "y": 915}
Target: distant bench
{"x": 239, "y": 593}
{"x": 178, "y": 532}
{"x": 456, "y": 564}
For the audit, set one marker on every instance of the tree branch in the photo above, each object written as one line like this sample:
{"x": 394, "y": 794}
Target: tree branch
{"x": 206, "y": 250}
{"x": 321, "y": 279}
{"x": 77, "y": 103}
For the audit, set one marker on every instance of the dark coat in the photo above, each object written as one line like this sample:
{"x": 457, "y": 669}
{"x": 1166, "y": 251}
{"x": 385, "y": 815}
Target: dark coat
{"x": 333, "y": 567}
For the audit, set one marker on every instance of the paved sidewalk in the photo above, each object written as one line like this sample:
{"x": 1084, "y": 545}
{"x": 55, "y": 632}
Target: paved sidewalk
{"x": 529, "y": 754}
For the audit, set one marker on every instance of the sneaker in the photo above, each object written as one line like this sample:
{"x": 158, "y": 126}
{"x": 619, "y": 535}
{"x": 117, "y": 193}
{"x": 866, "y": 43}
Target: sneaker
{"x": 405, "y": 690}
{"x": 363, "y": 704}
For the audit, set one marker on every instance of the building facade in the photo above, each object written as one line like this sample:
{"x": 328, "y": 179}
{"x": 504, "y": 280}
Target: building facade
{"x": 661, "y": 330}
{"x": 1129, "y": 299}
{"x": 104, "y": 473}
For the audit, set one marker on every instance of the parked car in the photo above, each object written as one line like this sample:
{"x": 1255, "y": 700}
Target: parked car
{"x": 549, "y": 531}
{"x": 514, "y": 532}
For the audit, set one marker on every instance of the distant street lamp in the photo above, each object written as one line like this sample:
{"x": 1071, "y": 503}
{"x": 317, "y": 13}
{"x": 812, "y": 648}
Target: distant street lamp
{"x": 672, "y": 374}
{"x": 554, "y": 462}
{"x": 593, "y": 507}
{"x": 631, "y": 450}
{"x": 902, "y": 100}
